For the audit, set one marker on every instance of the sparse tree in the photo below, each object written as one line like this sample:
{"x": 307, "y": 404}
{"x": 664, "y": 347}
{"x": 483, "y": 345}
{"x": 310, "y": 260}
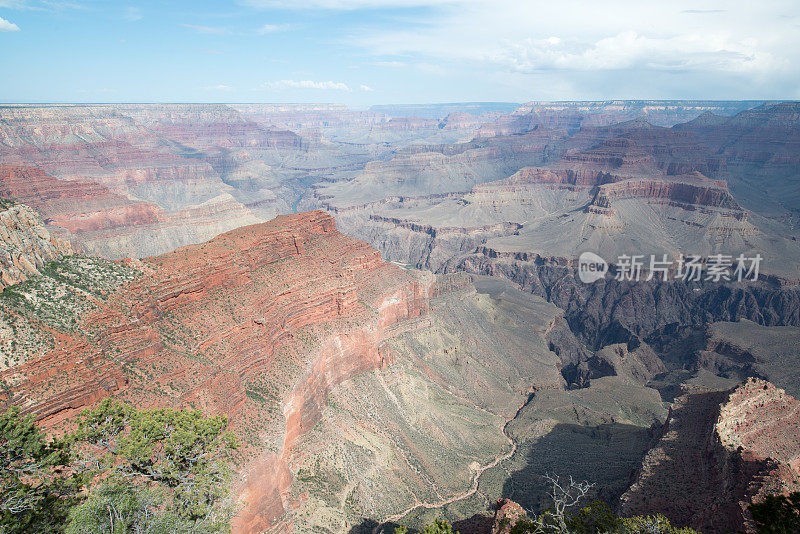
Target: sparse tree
{"x": 440, "y": 526}
{"x": 36, "y": 486}
{"x": 178, "y": 453}
{"x": 565, "y": 493}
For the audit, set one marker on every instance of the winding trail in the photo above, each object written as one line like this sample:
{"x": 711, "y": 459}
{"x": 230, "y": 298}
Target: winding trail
{"x": 475, "y": 480}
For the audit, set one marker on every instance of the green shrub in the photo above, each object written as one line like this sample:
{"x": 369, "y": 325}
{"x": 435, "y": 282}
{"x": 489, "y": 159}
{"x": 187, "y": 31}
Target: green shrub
{"x": 778, "y": 514}
{"x": 158, "y": 471}
{"x": 36, "y": 487}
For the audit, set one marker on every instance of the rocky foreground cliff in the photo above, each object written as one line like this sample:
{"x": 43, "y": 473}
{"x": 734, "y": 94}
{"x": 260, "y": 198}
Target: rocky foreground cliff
{"x": 364, "y": 394}
{"x": 279, "y": 313}
{"x": 718, "y": 452}
{"x": 26, "y": 246}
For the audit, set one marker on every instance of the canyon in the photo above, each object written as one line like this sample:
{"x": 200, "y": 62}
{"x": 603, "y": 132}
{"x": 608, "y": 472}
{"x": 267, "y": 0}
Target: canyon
{"x": 303, "y": 337}
{"x": 386, "y": 302}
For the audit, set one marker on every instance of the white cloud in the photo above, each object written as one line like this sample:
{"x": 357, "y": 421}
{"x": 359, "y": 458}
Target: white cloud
{"x": 273, "y": 28}
{"x": 629, "y": 50}
{"x": 703, "y": 11}
{"x": 305, "y": 84}
{"x": 6, "y": 26}
{"x": 756, "y": 44}
{"x": 206, "y": 29}
{"x": 61, "y": 6}
{"x": 349, "y": 4}
{"x": 392, "y": 64}
{"x": 132, "y": 14}
{"x": 219, "y": 87}
{"x": 365, "y": 87}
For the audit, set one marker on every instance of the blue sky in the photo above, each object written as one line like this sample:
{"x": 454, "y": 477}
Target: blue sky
{"x": 363, "y": 52}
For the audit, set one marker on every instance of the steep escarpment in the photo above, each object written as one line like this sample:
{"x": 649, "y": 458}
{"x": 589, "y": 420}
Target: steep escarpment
{"x": 25, "y": 244}
{"x": 613, "y": 189}
{"x": 473, "y": 398}
{"x": 574, "y": 115}
{"x": 690, "y": 192}
{"x": 718, "y": 452}
{"x": 126, "y": 179}
{"x": 110, "y": 224}
{"x": 214, "y": 276}
{"x": 760, "y": 147}
{"x": 204, "y": 125}
{"x": 75, "y": 206}
{"x": 259, "y": 324}
{"x": 613, "y": 311}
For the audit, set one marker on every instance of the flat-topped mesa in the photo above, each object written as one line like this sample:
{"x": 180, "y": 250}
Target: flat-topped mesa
{"x": 568, "y": 178}
{"x": 53, "y": 126}
{"x": 692, "y": 191}
{"x": 25, "y": 244}
{"x": 572, "y": 116}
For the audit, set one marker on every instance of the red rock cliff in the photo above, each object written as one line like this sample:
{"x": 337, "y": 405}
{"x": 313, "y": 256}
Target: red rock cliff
{"x": 259, "y": 323}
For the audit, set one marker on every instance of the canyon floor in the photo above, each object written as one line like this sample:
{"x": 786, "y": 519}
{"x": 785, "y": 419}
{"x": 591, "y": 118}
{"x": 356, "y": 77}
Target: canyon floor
{"x": 388, "y": 307}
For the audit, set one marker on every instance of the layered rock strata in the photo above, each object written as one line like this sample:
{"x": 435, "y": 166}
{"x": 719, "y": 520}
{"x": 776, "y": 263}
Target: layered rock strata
{"x": 25, "y": 244}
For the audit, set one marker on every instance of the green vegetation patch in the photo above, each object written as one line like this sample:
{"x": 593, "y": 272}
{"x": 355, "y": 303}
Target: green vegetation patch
{"x": 123, "y": 470}
{"x": 65, "y": 289}
{"x": 6, "y": 203}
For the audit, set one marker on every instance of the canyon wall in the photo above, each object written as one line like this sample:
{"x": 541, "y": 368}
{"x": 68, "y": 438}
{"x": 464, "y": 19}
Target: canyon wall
{"x": 25, "y": 244}
{"x": 290, "y": 308}
{"x": 718, "y": 452}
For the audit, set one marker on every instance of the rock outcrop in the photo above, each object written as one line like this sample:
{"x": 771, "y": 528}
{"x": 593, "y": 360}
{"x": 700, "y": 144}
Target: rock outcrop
{"x": 507, "y": 514}
{"x": 718, "y": 452}
{"x": 25, "y": 244}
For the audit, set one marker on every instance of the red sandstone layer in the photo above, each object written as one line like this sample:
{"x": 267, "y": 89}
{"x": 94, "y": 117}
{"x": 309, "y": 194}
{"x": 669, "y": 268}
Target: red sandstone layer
{"x": 77, "y": 206}
{"x": 290, "y": 308}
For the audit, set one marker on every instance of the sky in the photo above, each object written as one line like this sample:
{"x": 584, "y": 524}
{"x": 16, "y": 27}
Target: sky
{"x": 365, "y": 52}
